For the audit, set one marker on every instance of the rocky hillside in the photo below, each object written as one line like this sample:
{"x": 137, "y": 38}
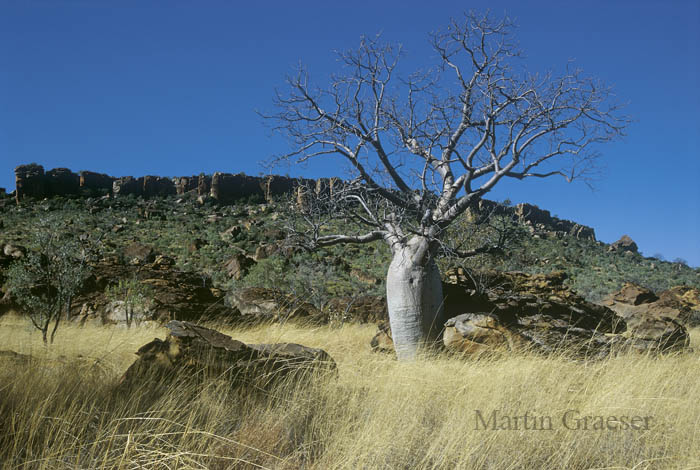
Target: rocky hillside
{"x": 228, "y": 239}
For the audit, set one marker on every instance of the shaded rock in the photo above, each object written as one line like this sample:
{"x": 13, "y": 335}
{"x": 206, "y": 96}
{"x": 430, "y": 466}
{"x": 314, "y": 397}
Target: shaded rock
{"x": 174, "y": 295}
{"x": 95, "y": 183}
{"x": 29, "y": 182}
{"x": 523, "y": 299}
{"x": 185, "y": 184}
{"x": 683, "y": 298}
{"x": 648, "y": 333}
{"x": 61, "y": 182}
{"x": 275, "y": 186}
{"x": 632, "y": 294}
{"x": 624, "y": 244}
{"x": 238, "y": 265}
{"x": 157, "y": 186}
{"x": 203, "y": 185}
{"x": 231, "y": 233}
{"x": 194, "y": 353}
{"x": 127, "y": 185}
{"x": 262, "y": 304}
{"x": 139, "y": 253}
{"x": 227, "y": 188}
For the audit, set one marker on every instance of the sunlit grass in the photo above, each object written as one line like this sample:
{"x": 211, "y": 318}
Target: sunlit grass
{"x": 378, "y": 414}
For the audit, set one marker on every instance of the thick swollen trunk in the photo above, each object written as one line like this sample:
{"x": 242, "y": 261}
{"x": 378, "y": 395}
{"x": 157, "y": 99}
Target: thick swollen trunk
{"x": 414, "y": 297}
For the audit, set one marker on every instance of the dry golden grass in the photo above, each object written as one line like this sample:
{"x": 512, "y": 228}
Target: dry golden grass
{"x": 379, "y": 414}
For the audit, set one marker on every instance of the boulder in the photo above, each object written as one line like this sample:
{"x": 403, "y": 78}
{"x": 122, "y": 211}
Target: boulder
{"x": 524, "y": 299}
{"x": 475, "y": 333}
{"x": 684, "y": 298}
{"x": 238, "y": 265}
{"x": 511, "y": 310}
{"x": 231, "y": 233}
{"x": 648, "y": 333}
{"x": 632, "y": 294}
{"x": 624, "y": 244}
{"x": 13, "y": 251}
{"x": 655, "y": 322}
{"x": 636, "y": 301}
{"x": 195, "y": 245}
{"x": 192, "y": 353}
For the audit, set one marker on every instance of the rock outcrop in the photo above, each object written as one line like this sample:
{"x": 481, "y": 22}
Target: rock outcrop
{"x": 175, "y": 295}
{"x": 95, "y": 183}
{"x": 238, "y": 265}
{"x": 192, "y": 353}
{"x": 655, "y": 321}
{"x": 225, "y": 188}
{"x": 32, "y": 181}
{"x": 256, "y": 304}
{"x": 625, "y": 245}
{"x": 29, "y": 182}
{"x": 518, "y": 311}
{"x": 538, "y": 220}
{"x": 632, "y": 300}
{"x": 145, "y": 186}
{"x": 61, "y": 182}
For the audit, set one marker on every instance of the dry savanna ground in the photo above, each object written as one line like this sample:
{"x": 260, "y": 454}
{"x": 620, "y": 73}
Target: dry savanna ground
{"x": 59, "y": 410}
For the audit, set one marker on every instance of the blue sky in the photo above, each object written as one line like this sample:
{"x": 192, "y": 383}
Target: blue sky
{"x": 171, "y": 88}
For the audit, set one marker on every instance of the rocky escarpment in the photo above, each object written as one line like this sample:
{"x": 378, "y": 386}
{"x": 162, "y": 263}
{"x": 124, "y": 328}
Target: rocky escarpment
{"x": 33, "y": 182}
{"x": 536, "y": 219}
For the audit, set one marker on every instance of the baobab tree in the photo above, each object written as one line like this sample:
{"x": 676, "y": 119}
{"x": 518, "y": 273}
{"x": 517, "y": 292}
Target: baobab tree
{"x": 421, "y": 148}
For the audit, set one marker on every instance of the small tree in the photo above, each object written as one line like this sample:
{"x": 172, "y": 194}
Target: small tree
{"x": 53, "y": 271}
{"x": 133, "y": 293}
{"x": 423, "y": 147}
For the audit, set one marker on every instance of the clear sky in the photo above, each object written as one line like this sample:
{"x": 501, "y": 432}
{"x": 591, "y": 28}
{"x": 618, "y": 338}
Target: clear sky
{"x": 171, "y": 88}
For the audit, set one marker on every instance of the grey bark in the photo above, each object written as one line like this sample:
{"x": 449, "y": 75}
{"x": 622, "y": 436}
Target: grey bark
{"x": 414, "y": 298}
